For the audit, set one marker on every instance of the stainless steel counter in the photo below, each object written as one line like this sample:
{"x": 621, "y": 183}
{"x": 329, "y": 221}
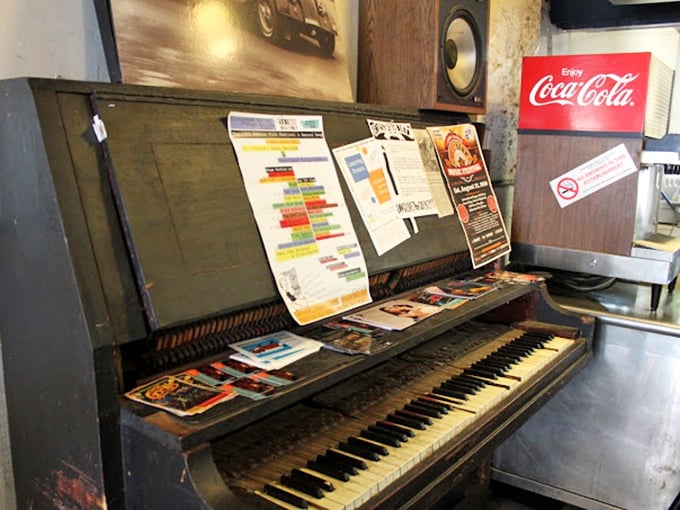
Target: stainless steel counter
{"x": 611, "y": 437}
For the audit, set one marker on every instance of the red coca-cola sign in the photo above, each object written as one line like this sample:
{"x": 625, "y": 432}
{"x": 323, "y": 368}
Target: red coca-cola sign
{"x": 602, "y": 92}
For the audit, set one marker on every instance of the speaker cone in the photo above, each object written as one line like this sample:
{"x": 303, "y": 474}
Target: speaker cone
{"x": 462, "y": 52}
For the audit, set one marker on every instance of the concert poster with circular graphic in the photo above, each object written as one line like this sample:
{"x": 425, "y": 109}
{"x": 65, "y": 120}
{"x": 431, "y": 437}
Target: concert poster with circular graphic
{"x": 462, "y": 163}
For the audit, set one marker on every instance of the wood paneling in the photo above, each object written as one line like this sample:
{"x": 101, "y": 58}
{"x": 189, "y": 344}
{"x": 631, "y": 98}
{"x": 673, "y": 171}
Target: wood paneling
{"x": 399, "y": 61}
{"x": 603, "y": 222}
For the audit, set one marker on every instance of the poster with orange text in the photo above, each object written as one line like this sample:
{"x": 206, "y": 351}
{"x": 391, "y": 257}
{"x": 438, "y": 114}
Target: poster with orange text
{"x": 462, "y": 162}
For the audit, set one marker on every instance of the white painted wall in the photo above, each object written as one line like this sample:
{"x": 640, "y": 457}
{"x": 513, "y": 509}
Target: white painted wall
{"x": 50, "y": 39}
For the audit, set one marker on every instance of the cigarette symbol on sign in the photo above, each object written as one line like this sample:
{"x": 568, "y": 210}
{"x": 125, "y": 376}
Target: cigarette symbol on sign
{"x": 567, "y": 188}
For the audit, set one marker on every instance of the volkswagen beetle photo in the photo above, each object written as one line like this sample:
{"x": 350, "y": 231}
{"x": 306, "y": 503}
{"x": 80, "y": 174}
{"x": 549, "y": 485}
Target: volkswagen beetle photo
{"x": 281, "y": 20}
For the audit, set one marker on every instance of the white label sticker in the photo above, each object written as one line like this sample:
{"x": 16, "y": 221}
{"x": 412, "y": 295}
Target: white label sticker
{"x": 593, "y": 175}
{"x": 99, "y": 128}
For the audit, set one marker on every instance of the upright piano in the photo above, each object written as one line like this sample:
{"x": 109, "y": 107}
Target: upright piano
{"x": 136, "y": 254}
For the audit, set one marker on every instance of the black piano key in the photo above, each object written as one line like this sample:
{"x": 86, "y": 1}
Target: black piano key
{"x": 468, "y": 380}
{"x": 488, "y": 365}
{"x": 532, "y": 344}
{"x": 312, "y": 480}
{"x": 380, "y": 450}
{"x": 338, "y": 474}
{"x": 530, "y": 339}
{"x": 493, "y": 362}
{"x": 429, "y": 403}
{"x": 386, "y": 430}
{"x": 414, "y": 416}
{"x": 454, "y": 385}
{"x": 359, "y": 451}
{"x": 394, "y": 426}
{"x": 450, "y": 393}
{"x": 285, "y": 496}
{"x": 416, "y": 402}
{"x": 381, "y": 438}
{"x": 407, "y": 421}
{"x": 428, "y": 398}
{"x": 508, "y": 357}
{"x": 538, "y": 334}
{"x": 440, "y": 394}
{"x": 521, "y": 355}
{"x": 502, "y": 360}
{"x": 301, "y": 486}
{"x": 509, "y": 347}
{"x": 517, "y": 350}
{"x": 337, "y": 464}
{"x": 487, "y": 368}
{"x": 346, "y": 459}
{"x": 439, "y": 398}
{"x": 480, "y": 373}
{"x": 423, "y": 409}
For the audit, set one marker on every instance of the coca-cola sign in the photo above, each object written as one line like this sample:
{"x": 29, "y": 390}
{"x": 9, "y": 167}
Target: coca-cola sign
{"x": 603, "y": 92}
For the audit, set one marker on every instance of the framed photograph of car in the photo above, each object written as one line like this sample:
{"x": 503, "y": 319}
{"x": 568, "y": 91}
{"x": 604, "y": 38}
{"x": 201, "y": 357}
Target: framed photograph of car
{"x": 292, "y": 48}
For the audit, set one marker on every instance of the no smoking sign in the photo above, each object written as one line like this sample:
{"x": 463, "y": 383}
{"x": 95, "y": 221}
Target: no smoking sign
{"x": 593, "y": 175}
{"x": 567, "y": 188}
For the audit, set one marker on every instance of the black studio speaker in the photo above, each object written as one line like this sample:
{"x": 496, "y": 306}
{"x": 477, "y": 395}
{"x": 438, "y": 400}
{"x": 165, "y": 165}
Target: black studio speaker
{"x": 428, "y": 54}
{"x": 462, "y": 59}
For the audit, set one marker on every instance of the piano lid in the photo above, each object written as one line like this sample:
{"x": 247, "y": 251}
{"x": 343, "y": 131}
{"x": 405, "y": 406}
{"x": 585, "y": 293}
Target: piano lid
{"x": 189, "y": 228}
{"x": 190, "y": 231}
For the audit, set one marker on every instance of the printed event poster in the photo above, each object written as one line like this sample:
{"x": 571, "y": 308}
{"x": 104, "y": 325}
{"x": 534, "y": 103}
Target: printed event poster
{"x": 439, "y": 190}
{"x": 293, "y": 189}
{"x": 461, "y": 160}
{"x": 405, "y": 166}
{"x": 362, "y": 164}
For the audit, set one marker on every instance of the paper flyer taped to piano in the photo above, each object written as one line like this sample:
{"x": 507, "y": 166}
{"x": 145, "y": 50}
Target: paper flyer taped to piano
{"x": 405, "y": 166}
{"x": 363, "y": 166}
{"x": 313, "y": 252}
{"x": 462, "y": 163}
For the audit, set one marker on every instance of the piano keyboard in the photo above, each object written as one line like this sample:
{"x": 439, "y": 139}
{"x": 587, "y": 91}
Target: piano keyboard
{"x": 342, "y": 460}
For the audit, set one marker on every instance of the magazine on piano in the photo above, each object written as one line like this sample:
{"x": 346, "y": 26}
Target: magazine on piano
{"x": 350, "y": 337}
{"x": 396, "y": 314}
{"x": 505, "y": 277}
{"x": 461, "y": 288}
{"x": 436, "y": 299}
{"x": 179, "y": 396}
{"x": 274, "y": 351}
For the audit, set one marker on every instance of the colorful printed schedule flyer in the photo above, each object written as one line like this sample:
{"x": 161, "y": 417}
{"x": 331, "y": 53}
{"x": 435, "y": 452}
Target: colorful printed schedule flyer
{"x": 293, "y": 189}
{"x": 462, "y": 162}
